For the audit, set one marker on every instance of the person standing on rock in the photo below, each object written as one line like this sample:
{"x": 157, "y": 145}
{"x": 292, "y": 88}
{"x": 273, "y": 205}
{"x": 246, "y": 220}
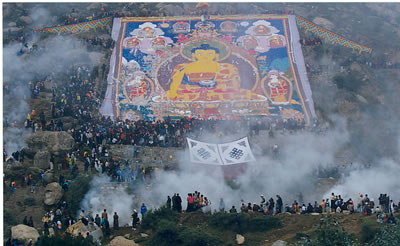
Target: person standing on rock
{"x": 178, "y": 203}
{"x": 30, "y": 222}
{"x": 174, "y": 207}
{"x": 143, "y": 210}
{"x": 134, "y": 218}
{"x": 221, "y": 205}
{"x": 97, "y": 220}
{"x": 116, "y": 224}
{"x": 104, "y": 215}
{"x": 169, "y": 202}
{"x": 26, "y": 220}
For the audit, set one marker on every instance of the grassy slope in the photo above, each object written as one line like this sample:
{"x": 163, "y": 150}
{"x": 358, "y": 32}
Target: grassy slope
{"x": 292, "y": 224}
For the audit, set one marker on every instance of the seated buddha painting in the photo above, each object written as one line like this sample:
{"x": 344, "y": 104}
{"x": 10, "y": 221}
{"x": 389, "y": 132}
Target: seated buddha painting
{"x": 220, "y": 67}
{"x": 209, "y": 74}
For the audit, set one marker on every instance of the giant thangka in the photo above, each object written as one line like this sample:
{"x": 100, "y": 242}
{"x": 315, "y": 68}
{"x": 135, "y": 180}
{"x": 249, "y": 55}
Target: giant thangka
{"x": 222, "y": 67}
{"x": 220, "y": 154}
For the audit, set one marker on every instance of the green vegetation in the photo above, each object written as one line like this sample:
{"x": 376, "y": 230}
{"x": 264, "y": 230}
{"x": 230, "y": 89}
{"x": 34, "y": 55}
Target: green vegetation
{"x": 387, "y": 235}
{"x": 351, "y": 81}
{"x": 64, "y": 240}
{"x": 154, "y": 217}
{"x": 196, "y": 228}
{"x": 368, "y": 231}
{"x": 169, "y": 233}
{"x": 329, "y": 233}
{"x": 29, "y": 201}
{"x": 77, "y": 191}
{"x": 243, "y": 222}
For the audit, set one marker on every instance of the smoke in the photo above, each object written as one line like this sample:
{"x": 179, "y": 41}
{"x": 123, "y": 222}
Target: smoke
{"x": 49, "y": 61}
{"x": 379, "y": 179}
{"x": 291, "y": 175}
{"x": 40, "y": 17}
{"x": 111, "y": 196}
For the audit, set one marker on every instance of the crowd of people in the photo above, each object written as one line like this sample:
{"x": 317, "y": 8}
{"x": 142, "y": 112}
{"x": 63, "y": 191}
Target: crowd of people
{"x": 311, "y": 41}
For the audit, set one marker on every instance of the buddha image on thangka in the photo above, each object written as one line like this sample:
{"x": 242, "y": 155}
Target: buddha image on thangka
{"x": 212, "y": 68}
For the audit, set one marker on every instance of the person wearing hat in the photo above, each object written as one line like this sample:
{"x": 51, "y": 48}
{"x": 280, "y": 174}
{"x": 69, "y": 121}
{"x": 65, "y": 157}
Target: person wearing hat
{"x": 262, "y": 200}
{"x": 116, "y": 223}
{"x": 134, "y": 218}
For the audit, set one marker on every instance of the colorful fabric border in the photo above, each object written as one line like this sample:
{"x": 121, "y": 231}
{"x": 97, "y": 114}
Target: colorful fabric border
{"x": 74, "y": 28}
{"x": 330, "y": 36}
{"x": 198, "y": 18}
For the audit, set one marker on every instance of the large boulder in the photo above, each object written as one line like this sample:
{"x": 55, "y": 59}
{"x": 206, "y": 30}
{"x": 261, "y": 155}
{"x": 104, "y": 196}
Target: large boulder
{"x": 12, "y": 24}
{"x": 42, "y": 160}
{"x": 53, "y": 194}
{"x": 11, "y": 29}
{"x": 49, "y": 177}
{"x": 324, "y": 23}
{"x": 50, "y": 141}
{"x": 23, "y": 232}
{"x": 279, "y": 243}
{"x": 240, "y": 239}
{"x": 121, "y": 241}
{"x": 80, "y": 229}
{"x": 26, "y": 19}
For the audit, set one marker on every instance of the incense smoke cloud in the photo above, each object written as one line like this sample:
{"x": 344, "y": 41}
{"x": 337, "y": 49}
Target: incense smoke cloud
{"x": 289, "y": 175}
{"x": 103, "y": 195}
{"x": 55, "y": 56}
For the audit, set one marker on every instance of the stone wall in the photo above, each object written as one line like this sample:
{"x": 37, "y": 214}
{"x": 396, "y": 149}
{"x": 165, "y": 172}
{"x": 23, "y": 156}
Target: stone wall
{"x": 147, "y": 156}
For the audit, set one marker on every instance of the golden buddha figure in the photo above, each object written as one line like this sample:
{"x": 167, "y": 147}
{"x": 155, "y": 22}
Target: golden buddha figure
{"x": 206, "y": 79}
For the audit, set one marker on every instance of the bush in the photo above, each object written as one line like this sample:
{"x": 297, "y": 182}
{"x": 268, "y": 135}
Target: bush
{"x": 387, "y": 235}
{"x": 351, "y": 81}
{"x": 76, "y": 191}
{"x": 167, "y": 234}
{"x": 368, "y": 231}
{"x": 65, "y": 240}
{"x": 29, "y": 201}
{"x": 8, "y": 217}
{"x": 330, "y": 233}
{"x": 243, "y": 222}
{"x": 197, "y": 237}
{"x": 153, "y": 217}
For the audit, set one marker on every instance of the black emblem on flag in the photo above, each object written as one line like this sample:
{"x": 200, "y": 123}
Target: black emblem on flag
{"x": 236, "y": 153}
{"x": 204, "y": 153}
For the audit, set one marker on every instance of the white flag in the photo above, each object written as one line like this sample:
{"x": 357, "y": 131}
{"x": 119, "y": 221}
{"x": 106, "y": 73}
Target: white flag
{"x": 204, "y": 153}
{"x": 236, "y": 152}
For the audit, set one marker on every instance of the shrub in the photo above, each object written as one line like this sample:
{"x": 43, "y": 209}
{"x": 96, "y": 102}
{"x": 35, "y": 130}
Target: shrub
{"x": 65, "y": 240}
{"x": 153, "y": 217}
{"x": 368, "y": 231}
{"x": 197, "y": 237}
{"x": 351, "y": 81}
{"x": 330, "y": 233}
{"x": 77, "y": 191}
{"x": 167, "y": 234}
{"x": 243, "y": 222}
{"x": 387, "y": 235}
{"x": 263, "y": 223}
{"x": 8, "y": 217}
{"x": 29, "y": 201}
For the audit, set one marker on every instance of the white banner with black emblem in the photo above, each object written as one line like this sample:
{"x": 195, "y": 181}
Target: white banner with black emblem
{"x": 236, "y": 152}
{"x": 204, "y": 153}
{"x": 220, "y": 154}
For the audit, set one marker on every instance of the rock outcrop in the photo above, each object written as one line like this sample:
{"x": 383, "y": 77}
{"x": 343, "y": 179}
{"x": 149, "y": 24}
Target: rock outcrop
{"x": 42, "y": 160}
{"x": 26, "y": 19}
{"x": 239, "y": 239}
{"x": 23, "y": 232}
{"x": 279, "y": 243}
{"x": 80, "y": 229}
{"x": 121, "y": 241}
{"x": 53, "y": 194}
{"x": 50, "y": 141}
